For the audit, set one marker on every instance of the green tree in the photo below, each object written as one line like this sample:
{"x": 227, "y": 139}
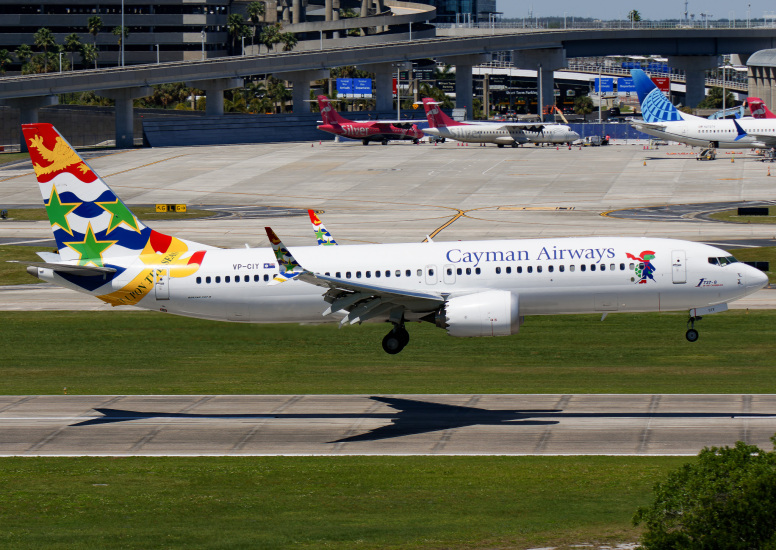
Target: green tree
{"x": 255, "y": 11}
{"x": 713, "y": 99}
{"x": 89, "y": 54}
{"x": 23, "y": 54}
{"x": 5, "y": 60}
{"x": 289, "y": 41}
{"x": 44, "y": 39}
{"x": 726, "y": 500}
{"x": 94, "y": 26}
{"x": 236, "y": 29}
{"x": 634, "y": 16}
{"x": 270, "y": 35}
{"x": 73, "y": 45}
{"x": 583, "y": 105}
{"x": 121, "y": 34}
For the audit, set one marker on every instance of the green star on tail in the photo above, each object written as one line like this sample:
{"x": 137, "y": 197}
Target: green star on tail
{"x": 57, "y": 211}
{"x": 119, "y": 214}
{"x": 90, "y": 250}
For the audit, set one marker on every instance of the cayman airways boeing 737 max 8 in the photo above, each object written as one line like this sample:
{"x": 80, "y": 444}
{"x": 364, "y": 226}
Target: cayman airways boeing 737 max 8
{"x": 474, "y": 288}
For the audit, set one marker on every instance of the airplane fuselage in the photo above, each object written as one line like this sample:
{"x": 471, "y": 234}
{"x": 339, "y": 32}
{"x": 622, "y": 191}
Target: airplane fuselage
{"x": 373, "y": 131}
{"x": 502, "y": 135}
{"x": 702, "y": 132}
{"x": 548, "y": 276}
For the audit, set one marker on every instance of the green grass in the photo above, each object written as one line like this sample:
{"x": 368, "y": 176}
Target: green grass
{"x": 145, "y": 213}
{"x": 154, "y": 353}
{"x": 332, "y": 502}
{"x": 732, "y": 216}
{"x": 5, "y": 158}
{"x": 16, "y": 274}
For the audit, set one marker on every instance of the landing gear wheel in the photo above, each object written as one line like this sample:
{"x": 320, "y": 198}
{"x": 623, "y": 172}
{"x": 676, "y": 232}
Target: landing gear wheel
{"x": 365, "y": 142}
{"x": 384, "y": 142}
{"x": 500, "y": 145}
{"x": 514, "y": 145}
{"x": 415, "y": 141}
{"x": 691, "y": 335}
{"x": 394, "y": 341}
{"x": 442, "y": 140}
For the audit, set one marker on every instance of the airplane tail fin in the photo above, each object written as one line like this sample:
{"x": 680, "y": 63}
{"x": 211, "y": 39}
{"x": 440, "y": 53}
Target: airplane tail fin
{"x": 328, "y": 113}
{"x": 324, "y": 237}
{"x": 91, "y": 226}
{"x": 758, "y": 109}
{"x": 655, "y": 107}
{"x": 436, "y": 117}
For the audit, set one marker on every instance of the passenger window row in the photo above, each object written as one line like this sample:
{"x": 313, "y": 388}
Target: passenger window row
{"x": 237, "y": 279}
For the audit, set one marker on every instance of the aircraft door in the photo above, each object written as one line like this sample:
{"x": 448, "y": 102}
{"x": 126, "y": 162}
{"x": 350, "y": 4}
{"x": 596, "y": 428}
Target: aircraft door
{"x": 431, "y": 275}
{"x": 449, "y": 274}
{"x": 678, "y": 267}
{"x": 162, "y": 285}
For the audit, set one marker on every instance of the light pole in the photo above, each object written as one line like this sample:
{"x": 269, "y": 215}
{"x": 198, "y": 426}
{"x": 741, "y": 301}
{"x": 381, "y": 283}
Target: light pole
{"x": 748, "y": 10}
{"x": 60, "y": 62}
{"x": 122, "y": 33}
{"x": 203, "y": 44}
{"x": 157, "y": 54}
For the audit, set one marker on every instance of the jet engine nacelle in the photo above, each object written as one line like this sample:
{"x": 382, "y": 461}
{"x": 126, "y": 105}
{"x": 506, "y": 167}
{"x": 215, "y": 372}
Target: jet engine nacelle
{"x": 489, "y": 313}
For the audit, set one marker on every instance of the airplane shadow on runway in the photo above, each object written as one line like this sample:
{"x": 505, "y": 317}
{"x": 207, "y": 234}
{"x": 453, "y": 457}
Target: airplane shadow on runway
{"x": 415, "y": 417}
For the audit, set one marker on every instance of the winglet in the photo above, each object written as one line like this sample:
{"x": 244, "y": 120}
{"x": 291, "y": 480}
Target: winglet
{"x": 289, "y": 267}
{"x": 324, "y": 237}
{"x": 739, "y": 130}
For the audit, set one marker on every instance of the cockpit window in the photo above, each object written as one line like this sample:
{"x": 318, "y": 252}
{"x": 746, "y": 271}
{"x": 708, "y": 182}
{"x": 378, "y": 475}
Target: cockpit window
{"x": 723, "y": 261}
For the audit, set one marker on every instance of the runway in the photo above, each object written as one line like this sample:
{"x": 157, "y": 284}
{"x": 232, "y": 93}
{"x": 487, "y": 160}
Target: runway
{"x": 331, "y": 425}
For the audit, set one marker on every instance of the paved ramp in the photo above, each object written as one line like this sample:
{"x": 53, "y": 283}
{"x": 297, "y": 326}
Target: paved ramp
{"x": 245, "y": 425}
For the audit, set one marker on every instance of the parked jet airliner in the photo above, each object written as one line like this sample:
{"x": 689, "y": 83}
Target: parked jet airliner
{"x": 368, "y": 130}
{"x": 443, "y": 127}
{"x": 663, "y": 120}
{"x": 469, "y": 288}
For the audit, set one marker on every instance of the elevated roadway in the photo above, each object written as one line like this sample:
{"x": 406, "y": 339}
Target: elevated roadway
{"x": 694, "y": 50}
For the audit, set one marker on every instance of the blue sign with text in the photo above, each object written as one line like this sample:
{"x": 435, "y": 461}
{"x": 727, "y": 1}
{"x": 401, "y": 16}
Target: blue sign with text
{"x": 605, "y": 85}
{"x": 354, "y": 87}
{"x": 626, "y": 85}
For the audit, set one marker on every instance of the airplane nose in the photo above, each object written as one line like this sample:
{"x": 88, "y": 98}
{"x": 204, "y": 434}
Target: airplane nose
{"x": 755, "y": 279}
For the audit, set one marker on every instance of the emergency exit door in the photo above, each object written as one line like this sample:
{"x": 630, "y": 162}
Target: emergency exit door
{"x": 678, "y": 267}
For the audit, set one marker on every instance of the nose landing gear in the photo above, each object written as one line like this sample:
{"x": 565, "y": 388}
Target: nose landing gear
{"x": 395, "y": 340}
{"x": 692, "y": 334}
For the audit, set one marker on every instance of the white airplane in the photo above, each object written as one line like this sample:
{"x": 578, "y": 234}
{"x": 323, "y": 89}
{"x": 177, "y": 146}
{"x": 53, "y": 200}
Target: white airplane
{"x": 443, "y": 127}
{"x": 472, "y": 288}
{"x": 661, "y": 119}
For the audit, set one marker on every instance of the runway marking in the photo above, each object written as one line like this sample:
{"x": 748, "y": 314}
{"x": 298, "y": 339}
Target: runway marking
{"x": 492, "y": 167}
{"x": 33, "y": 173}
{"x": 144, "y": 165}
{"x": 26, "y": 242}
{"x": 438, "y": 230}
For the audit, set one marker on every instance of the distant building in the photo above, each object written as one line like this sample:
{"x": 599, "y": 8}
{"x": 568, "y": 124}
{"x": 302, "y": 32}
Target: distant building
{"x": 447, "y": 10}
{"x": 762, "y": 76}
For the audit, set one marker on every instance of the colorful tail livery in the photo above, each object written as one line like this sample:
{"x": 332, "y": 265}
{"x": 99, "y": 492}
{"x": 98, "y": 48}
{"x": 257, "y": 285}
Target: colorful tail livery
{"x": 324, "y": 237}
{"x": 103, "y": 248}
{"x": 329, "y": 114}
{"x": 758, "y": 109}
{"x": 655, "y": 107}
{"x": 436, "y": 117}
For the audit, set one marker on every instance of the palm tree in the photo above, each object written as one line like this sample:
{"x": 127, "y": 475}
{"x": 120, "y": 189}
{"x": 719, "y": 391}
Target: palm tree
{"x": 73, "y": 44}
{"x": 23, "y": 54}
{"x": 236, "y": 28}
{"x": 270, "y": 35}
{"x": 289, "y": 41}
{"x": 634, "y": 16}
{"x": 255, "y": 11}
{"x": 94, "y": 26}
{"x": 44, "y": 39}
{"x": 5, "y": 60}
{"x": 89, "y": 54}
{"x": 117, "y": 31}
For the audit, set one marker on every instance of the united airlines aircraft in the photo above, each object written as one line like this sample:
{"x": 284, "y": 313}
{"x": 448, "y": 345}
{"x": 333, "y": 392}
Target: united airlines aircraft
{"x": 468, "y": 288}
{"x": 663, "y": 120}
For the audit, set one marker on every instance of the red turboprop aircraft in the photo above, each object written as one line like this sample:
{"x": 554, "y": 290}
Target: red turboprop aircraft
{"x": 369, "y": 130}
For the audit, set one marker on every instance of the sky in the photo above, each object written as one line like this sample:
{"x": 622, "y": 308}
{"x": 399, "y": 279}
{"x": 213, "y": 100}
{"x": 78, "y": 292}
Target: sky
{"x": 657, "y": 9}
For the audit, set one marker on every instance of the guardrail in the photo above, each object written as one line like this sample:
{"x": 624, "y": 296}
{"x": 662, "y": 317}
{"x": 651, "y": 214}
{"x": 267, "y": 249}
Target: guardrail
{"x": 622, "y": 24}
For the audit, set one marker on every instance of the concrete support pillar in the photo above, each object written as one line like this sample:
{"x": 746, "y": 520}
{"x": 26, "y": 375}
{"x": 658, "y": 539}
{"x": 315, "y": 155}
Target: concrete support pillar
{"x": 28, "y": 111}
{"x": 464, "y": 89}
{"x": 384, "y": 74}
{"x": 214, "y": 90}
{"x": 545, "y": 62}
{"x": 301, "y": 83}
{"x": 694, "y": 67}
{"x": 296, "y": 12}
{"x": 125, "y": 116}
{"x": 335, "y": 16}
{"x": 328, "y": 8}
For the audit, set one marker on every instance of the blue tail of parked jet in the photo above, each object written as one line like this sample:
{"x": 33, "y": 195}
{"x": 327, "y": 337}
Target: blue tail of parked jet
{"x": 655, "y": 107}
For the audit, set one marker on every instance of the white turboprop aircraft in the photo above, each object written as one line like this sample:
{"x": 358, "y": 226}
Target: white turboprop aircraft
{"x": 661, "y": 119}
{"x": 472, "y": 288}
{"x": 443, "y": 127}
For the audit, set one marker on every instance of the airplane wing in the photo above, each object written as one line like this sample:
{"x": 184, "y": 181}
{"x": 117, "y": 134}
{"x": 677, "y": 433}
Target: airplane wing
{"x": 649, "y": 125}
{"x": 323, "y": 236}
{"x": 362, "y": 301}
{"x": 402, "y": 121}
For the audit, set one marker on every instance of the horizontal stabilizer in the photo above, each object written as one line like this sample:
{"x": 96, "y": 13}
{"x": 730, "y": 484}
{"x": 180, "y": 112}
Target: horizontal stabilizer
{"x": 85, "y": 270}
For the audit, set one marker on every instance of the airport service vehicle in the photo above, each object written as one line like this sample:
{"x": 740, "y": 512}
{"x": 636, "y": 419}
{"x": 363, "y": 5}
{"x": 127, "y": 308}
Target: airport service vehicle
{"x": 468, "y": 288}
{"x": 442, "y": 127}
{"x": 661, "y": 119}
{"x": 758, "y": 108}
{"x": 370, "y": 130}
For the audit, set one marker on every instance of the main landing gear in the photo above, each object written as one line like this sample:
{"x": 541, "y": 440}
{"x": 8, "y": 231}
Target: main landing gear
{"x": 692, "y": 334}
{"x": 365, "y": 142}
{"x": 395, "y": 340}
